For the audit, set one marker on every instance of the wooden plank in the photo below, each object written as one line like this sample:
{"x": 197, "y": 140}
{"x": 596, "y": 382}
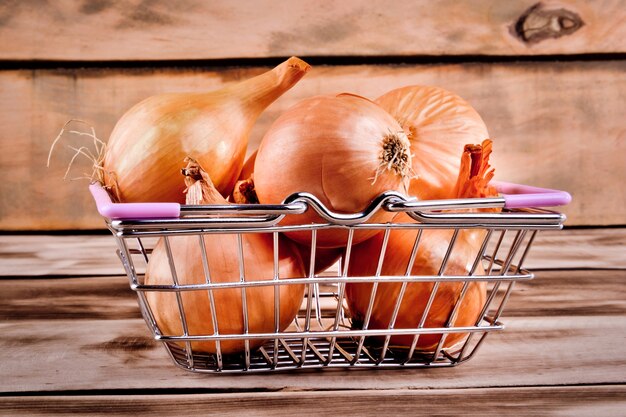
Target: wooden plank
{"x": 545, "y": 401}
{"x": 564, "y": 293}
{"x": 569, "y": 293}
{"x": 91, "y": 298}
{"x": 49, "y": 255}
{"x": 136, "y": 30}
{"x": 539, "y": 137}
{"x": 93, "y": 255}
{"x": 60, "y": 355}
{"x": 565, "y": 327}
{"x": 578, "y": 248}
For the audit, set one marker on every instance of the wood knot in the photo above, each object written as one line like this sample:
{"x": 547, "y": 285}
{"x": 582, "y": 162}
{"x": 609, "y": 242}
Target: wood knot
{"x": 539, "y": 23}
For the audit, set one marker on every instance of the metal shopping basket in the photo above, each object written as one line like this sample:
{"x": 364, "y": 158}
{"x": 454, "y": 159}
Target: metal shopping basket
{"x": 324, "y": 334}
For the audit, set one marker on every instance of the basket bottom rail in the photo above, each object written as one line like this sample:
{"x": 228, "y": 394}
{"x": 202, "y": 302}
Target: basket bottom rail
{"x": 323, "y": 352}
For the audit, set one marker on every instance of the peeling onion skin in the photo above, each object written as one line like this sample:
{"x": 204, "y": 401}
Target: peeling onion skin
{"x": 439, "y": 123}
{"x": 331, "y": 147}
{"x": 150, "y": 140}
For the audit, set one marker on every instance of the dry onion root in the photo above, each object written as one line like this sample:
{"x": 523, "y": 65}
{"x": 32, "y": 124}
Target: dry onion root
{"x": 244, "y": 192}
{"x": 95, "y": 155}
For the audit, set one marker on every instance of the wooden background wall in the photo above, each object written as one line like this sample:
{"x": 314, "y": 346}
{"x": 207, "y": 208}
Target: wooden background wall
{"x": 549, "y": 79}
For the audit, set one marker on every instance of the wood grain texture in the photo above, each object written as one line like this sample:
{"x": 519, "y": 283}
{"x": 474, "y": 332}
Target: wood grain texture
{"x": 77, "y": 346}
{"x": 94, "y": 255}
{"x": 607, "y": 401}
{"x": 557, "y": 125}
{"x": 570, "y": 293}
{"x": 58, "y": 355}
{"x": 565, "y": 293}
{"x": 84, "y": 298}
{"x": 46, "y": 256}
{"x": 565, "y": 327}
{"x": 582, "y": 248}
{"x": 138, "y": 30}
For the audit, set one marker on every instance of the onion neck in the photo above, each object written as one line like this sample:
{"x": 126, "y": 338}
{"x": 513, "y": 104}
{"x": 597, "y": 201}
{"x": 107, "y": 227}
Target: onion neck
{"x": 245, "y": 193}
{"x": 260, "y": 91}
{"x": 476, "y": 158}
{"x": 475, "y": 172}
{"x": 200, "y": 188}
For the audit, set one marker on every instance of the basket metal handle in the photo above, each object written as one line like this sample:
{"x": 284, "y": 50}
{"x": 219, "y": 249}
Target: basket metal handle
{"x": 511, "y": 196}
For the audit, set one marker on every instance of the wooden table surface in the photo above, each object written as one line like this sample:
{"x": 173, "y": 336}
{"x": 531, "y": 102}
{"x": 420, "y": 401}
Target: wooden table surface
{"x": 73, "y": 342}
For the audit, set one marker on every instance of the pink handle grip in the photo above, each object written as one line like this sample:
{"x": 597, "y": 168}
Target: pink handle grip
{"x": 116, "y": 211}
{"x": 525, "y": 196}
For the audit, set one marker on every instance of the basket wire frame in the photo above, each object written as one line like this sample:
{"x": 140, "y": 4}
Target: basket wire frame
{"x": 323, "y": 334}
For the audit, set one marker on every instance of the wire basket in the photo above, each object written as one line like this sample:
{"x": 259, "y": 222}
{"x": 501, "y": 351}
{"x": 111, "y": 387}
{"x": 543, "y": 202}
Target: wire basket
{"x": 325, "y": 333}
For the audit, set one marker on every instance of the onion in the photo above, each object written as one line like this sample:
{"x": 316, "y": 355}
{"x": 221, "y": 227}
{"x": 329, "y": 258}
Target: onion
{"x": 439, "y": 124}
{"x": 433, "y": 245}
{"x": 223, "y": 260}
{"x": 472, "y": 182}
{"x": 245, "y": 193}
{"x": 248, "y": 168}
{"x": 149, "y": 141}
{"x": 324, "y": 257}
{"x": 344, "y": 149}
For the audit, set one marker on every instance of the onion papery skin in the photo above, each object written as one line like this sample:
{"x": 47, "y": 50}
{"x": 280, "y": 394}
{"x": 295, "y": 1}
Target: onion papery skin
{"x": 438, "y": 123}
{"x": 472, "y": 181}
{"x": 223, "y": 259}
{"x": 144, "y": 151}
{"x": 433, "y": 245}
{"x": 324, "y": 257}
{"x": 332, "y": 147}
{"x": 248, "y": 168}
{"x": 223, "y": 267}
{"x": 245, "y": 193}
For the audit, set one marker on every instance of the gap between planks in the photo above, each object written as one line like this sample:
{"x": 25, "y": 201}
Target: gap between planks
{"x": 260, "y": 390}
{"x": 316, "y": 60}
{"x": 544, "y": 401}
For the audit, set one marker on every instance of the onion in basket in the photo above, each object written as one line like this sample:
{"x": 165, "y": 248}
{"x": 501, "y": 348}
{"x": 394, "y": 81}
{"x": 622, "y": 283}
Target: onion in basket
{"x": 472, "y": 181}
{"x": 439, "y": 124}
{"x": 344, "y": 149}
{"x": 223, "y": 262}
{"x": 245, "y": 193}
